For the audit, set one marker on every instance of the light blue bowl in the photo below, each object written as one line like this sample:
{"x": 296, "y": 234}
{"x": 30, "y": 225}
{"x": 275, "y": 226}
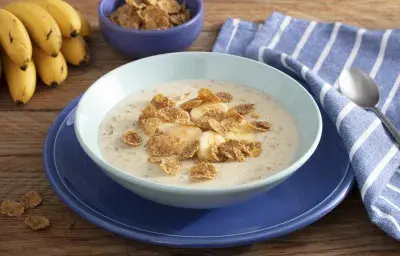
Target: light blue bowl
{"x": 149, "y": 72}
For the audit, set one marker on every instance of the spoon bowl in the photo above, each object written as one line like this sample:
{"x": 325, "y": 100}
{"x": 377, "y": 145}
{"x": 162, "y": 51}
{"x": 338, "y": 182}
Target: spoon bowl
{"x": 359, "y": 87}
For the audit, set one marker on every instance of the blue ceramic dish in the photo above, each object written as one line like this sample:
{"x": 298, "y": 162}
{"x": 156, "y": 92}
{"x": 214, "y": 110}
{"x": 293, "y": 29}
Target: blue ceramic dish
{"x": 143, "y": 43}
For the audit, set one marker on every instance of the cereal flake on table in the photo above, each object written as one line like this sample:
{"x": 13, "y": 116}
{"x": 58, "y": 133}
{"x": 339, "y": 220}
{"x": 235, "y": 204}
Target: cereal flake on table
{"x": 31, "y": 199}
{"x": 37, "y": 222}
{"x": 11, "y": 208}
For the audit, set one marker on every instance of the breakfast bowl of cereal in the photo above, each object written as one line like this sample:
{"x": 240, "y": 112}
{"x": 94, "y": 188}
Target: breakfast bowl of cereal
{"x": 198, "y": 129}
{"x": 142, "y": 28}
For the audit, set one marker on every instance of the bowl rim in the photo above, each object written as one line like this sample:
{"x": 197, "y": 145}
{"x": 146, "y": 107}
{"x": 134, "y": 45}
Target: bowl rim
{"x": 182, "y": 190}
{"x": 107, "y": 21}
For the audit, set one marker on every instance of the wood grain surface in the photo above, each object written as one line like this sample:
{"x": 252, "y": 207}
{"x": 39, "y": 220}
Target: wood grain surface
{"x": 345, "y": 231}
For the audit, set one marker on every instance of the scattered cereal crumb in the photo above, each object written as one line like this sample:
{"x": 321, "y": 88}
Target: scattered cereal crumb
{"x": 203, "y": 170}
{"x": 261, "y": 126}
{"x": 224, "y": 96}
{"x": 162, "y": 145}
{"x": 190, "y": 149}
{"x": 11, "y": 208}
{"x": 149, "y": 125}
{"x": 160, "y": 101}
{"x": 244, "y": 109}
{"x": 207, "y": 95}
{"x": 175, "y": 115}
{"x": 170, "y": 165}
{"x": 37, "y": 222}
{"x": 254, "y": 114}
{"x": 31, "y": 199}
{"x": 189, "y": 105}
{"x": 132, "y": 138}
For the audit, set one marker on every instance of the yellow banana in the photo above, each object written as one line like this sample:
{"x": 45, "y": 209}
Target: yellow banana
{"x": 52, "y": 71}
{"x": 22, "y": 84}
{"x": 64, "y": 14}
{"x": 75, "y": 51}
{"x": 14, "y": 39}
{"x": 86, "y": 29}
{"x": 41, "y": 27}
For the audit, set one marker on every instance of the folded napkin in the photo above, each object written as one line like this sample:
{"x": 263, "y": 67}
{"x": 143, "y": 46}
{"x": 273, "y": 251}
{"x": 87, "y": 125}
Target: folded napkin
{"x": 317, "y": 52}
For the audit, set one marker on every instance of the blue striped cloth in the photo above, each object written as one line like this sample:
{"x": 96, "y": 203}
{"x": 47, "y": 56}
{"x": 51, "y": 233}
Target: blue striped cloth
{"x": 317, "y": 52}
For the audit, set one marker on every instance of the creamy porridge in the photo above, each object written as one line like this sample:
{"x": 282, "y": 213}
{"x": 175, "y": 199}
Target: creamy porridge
{"x": 279, "y": 144}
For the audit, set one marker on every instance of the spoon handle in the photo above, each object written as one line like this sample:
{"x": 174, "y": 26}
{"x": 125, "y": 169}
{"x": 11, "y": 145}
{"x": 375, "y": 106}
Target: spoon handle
{"x": 392, "y": 129}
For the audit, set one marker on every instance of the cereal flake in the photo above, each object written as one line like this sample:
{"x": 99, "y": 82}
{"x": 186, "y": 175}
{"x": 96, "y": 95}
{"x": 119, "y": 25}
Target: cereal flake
{"x": 251, "y": 148}
{"x": 244, "y": 109}
{"x": 155, "y": 159}
{"x": 189, "y": 105}
{"x": 149, "y": 111}
{"x": 170, "y": 165}
{"x": 203, "y": 170}
{"x": 160, "y": 101}
{"x": 207, "y": 95}
{"x": 149, "y": 125}
{"x": 190, "y": 149}
{"x": 162, "y": 145}
{"x": 31, "y": 199}
{"x": 37, "y": 222}
{"x": 262, "y": 126}
{"x": 132, "y": 138}
{"x": 232, "y": 149}
{"x": 174, "y": 115}
{"x": 224, "y": 96}
{"x": 11, "y": 208}
{"x": 169, "y": 6}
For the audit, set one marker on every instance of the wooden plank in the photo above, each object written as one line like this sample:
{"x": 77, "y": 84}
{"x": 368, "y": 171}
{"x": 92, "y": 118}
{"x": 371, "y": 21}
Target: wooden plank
{"x": 344, "y": 231}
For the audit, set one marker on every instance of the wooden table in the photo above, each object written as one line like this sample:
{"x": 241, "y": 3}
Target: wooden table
{"x": 344, "y": 231}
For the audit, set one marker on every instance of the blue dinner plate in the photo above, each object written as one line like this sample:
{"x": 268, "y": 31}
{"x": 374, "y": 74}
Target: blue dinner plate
{"x": 306, "y": 196}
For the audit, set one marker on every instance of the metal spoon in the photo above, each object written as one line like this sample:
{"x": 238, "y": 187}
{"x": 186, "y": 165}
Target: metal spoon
{"x": 362, "y": 90}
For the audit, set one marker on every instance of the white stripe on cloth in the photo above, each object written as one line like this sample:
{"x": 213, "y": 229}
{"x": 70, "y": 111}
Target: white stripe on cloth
{"x": 283, "y": 61}
{"x": 391, "y": 95}
{"x": 353, "y": 54}
{"x": 324, "y": 90}
{"x": 395, "y": 189}
{"x": 304, "y": 70}
{"x": 328, "y": 47}
{"x": 275, "y": 40}
{"x": 389, "y": 202}
{"x": 303, "y": 39}
{"x": 343, "y": 113}
{"x": 381, "y": 54}
{"x": 387, "y": 217}
{"x": 378, "y": 169}
{"x": 234, "y": 30}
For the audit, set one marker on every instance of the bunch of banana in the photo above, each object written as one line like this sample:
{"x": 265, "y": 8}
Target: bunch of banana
{"x": 39, "y": 37}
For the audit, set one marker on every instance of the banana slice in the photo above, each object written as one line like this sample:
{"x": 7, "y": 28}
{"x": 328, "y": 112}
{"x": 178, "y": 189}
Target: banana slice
{"x": 186, "y": 133}
{"x": 208, "y": 140}
{"x": 197, "y": 112}
{"x": 241, "y": 132}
